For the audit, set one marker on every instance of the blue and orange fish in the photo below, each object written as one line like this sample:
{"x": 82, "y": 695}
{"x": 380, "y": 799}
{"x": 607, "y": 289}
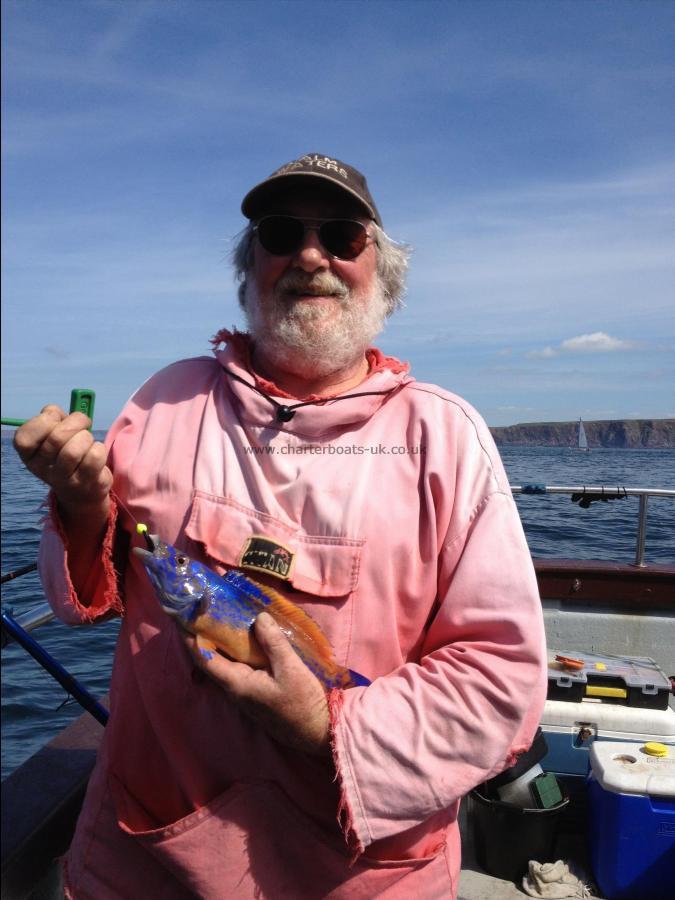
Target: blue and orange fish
{"x": 220, "y": 611}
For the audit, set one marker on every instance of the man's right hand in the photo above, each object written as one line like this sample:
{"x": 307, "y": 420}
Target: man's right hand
{"x": 59, "y": 450}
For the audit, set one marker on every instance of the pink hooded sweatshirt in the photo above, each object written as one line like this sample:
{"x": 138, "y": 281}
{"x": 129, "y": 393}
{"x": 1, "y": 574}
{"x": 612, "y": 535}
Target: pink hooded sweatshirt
{"x": 398, "y": 533}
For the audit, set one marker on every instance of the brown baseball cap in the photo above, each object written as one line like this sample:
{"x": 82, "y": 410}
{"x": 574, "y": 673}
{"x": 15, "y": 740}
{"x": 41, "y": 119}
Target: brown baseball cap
{"x": 313, "y": 165}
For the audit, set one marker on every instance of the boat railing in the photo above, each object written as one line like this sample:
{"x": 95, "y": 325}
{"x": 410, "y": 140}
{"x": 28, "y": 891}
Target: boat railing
{"x": 31, "y": 619}
{"x": 587, "y": 494}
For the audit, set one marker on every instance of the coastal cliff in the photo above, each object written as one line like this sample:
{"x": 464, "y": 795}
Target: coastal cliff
{"x": 627, "y": 434}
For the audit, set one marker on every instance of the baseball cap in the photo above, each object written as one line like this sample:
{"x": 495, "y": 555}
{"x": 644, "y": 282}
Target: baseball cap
{"x": 313, "y": 165}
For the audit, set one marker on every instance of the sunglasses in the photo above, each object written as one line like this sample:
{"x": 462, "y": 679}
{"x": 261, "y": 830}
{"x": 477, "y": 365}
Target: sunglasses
{"x": 285, "y": 235}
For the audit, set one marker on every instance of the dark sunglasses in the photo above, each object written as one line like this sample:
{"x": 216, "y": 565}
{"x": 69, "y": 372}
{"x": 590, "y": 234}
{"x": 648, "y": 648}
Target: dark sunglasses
{"x": 285, "y": 235}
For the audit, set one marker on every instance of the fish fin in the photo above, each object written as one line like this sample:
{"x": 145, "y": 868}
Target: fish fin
{"x": 239, "y": 644}
{"x": 306, "y": 635}
{"x": 286, "y": 612}
{"x": 205, "y": 646}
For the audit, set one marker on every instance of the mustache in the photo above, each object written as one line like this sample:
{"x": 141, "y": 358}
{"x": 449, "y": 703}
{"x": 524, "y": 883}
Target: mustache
{"x": 297, "y": 282}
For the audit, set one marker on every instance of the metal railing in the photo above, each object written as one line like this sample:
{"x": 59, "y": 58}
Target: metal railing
{"x": 11, "y": 629}
{"x": 594, "y": 493}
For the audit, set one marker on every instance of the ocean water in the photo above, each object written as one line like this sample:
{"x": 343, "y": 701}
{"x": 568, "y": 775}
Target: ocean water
{"x": 33, "y": 707}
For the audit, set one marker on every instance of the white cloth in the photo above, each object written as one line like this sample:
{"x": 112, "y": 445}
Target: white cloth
{"x": 553, "y": 880}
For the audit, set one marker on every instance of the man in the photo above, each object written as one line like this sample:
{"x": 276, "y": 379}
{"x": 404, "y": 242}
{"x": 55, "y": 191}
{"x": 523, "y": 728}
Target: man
{"x": 388, "y": 506}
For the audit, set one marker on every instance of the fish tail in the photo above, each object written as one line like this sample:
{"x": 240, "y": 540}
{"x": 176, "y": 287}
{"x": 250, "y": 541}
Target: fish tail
{"x": 357, "y": 679}
{"x": 343, "y": 678}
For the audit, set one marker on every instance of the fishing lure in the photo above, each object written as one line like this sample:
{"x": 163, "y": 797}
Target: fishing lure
{"x": 220, "y": 612}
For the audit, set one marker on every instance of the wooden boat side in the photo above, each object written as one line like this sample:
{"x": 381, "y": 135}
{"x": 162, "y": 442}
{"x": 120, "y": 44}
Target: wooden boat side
{"x": 595, "y": 583}
{"x": 41, "y": 801}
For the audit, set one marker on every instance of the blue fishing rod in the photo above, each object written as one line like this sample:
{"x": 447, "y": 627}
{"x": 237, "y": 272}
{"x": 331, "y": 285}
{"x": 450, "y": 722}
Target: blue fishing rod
{"x": 81, "y": 400}
{"x": 73, "y": 687}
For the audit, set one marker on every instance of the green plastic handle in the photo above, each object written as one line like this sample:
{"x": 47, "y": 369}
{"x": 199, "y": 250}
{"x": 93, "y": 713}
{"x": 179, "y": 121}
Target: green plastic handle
{"x": 81, "y": 400}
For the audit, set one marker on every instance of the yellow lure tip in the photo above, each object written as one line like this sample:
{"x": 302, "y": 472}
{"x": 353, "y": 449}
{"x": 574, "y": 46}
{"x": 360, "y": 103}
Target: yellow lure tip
{"x": 141, "y": 528}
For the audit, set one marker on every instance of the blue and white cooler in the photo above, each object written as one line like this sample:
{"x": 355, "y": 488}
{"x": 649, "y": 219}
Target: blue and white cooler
{"x": 571, "y": 729}
{"x": 631, "y": 801}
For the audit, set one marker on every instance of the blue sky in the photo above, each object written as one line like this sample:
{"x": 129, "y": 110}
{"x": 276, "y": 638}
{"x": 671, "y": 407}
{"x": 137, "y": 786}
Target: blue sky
{"x": 524, "y": 149}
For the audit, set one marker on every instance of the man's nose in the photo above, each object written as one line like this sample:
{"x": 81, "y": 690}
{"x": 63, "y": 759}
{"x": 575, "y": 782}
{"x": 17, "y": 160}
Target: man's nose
{"x": 311, "y": 255}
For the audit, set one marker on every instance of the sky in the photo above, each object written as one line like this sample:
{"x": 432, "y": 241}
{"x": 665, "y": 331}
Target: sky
{"x": 525, "y": 150}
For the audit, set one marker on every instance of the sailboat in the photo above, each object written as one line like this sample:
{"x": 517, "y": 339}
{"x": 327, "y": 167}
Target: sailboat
{"x": 582, "y": 443}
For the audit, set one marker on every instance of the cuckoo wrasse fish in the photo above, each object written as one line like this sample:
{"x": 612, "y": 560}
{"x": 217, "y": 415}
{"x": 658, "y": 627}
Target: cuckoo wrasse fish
{"x": 220, "y": 611}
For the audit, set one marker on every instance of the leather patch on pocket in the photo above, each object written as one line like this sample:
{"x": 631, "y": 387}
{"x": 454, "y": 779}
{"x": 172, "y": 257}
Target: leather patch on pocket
{"x": 266, "y": 555}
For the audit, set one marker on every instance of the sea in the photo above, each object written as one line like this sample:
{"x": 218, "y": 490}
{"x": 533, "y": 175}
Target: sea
{"x": 35, "y": 708}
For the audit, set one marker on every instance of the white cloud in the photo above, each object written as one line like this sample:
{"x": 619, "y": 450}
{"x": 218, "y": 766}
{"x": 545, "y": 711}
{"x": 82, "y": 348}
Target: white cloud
{"x": 597, "y": 342}
{"x": 546, "y": 353}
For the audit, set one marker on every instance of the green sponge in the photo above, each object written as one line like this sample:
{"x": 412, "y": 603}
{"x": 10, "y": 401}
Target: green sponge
{"x": 545, "y": 791}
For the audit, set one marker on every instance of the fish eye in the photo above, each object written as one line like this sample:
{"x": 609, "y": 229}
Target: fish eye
{"x": 181, "y": 560}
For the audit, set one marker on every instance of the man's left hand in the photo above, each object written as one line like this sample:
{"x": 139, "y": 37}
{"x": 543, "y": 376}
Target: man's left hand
{"x": 286, "y": 699}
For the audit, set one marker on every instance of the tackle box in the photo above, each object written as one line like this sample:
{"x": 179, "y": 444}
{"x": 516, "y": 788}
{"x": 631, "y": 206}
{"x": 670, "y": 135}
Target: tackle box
{"x": 634, "y": 681}
{"x": 631, "y": 794}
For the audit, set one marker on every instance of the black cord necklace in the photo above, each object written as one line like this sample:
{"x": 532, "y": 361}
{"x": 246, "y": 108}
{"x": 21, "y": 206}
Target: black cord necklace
{"x": 284, "y": 412}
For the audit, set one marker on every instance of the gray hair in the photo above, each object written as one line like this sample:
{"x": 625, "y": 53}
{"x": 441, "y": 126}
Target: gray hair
{"x": 392, "y": 264}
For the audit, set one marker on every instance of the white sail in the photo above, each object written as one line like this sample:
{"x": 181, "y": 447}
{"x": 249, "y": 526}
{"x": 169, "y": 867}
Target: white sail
{"x": 583, "y": 440}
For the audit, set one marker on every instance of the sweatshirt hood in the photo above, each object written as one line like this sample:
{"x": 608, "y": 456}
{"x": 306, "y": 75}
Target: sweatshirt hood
{"x": 264, "y": 404}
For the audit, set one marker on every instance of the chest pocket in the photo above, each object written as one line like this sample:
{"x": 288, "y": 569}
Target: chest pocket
{"x": 322, "y": 572}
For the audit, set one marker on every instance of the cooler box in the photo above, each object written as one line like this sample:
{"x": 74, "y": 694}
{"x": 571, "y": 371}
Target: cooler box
{"x": 572, "y": 728}
{"x": 631, "y": 796}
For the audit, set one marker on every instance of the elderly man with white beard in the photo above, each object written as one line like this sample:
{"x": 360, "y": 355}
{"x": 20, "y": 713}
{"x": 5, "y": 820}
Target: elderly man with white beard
{"x": 306, "y": 458}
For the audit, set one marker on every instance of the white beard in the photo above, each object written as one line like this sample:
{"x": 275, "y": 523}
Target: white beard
{"x": 310, "y": 339}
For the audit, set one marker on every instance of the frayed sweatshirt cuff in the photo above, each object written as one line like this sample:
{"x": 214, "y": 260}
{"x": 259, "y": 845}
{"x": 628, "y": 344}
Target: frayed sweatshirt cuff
{"x": 350, "y": 815}
{"x": 101, "y": 591}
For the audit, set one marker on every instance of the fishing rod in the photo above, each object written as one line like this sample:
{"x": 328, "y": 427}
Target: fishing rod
{"x": 81, "y": 400}
{"x": 51, "y": 665}
{"x": 24, "y": 570}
